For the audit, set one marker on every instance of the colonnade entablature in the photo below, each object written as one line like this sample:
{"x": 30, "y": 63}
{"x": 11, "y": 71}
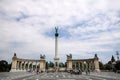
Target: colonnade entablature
{"x": 91, "y": 64}
{"x": 19, "y": 64}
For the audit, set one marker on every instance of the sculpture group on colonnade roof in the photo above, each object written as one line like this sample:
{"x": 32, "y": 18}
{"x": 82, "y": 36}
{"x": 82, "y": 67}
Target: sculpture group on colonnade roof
{"x": 42, "y": 56}
{"x": 69, "y": 56}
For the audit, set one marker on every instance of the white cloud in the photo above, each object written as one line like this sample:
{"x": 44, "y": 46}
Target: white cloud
{"x": 90, "y": 23}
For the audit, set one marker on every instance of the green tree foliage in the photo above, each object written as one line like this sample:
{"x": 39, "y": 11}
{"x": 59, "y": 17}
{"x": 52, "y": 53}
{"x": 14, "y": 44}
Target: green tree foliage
{"x": 51, "y": 64}
{"x": 65, "y": 64}
{"x": 47, "y": 65}
{"x": 117, "y": 65}
{"x": 61, "y": 64}
{"x": 108, "y": 66}
{"x": 101, "y": 65}
{"x": 4, "y": 66}
{"x": 112, "y": 59}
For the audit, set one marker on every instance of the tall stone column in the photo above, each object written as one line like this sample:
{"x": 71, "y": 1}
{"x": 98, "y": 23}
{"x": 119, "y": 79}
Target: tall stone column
{"x": 56, "y": 59}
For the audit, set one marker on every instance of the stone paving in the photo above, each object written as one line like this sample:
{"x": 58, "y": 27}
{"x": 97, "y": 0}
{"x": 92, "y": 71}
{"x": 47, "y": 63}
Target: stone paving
{"x": 14, "y": 75}
{"x": 59, "y": 76}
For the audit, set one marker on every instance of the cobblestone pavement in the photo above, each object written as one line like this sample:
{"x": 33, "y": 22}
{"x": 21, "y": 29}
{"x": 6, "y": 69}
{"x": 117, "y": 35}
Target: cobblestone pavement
{"x": 59, "y": 76}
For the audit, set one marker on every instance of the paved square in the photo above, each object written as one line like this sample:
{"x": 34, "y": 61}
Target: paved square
{"x": 59, "y": 76}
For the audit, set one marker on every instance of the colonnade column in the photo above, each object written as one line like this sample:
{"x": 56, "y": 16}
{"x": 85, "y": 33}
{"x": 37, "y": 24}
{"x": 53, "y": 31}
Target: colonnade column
{"x": 36, "y": 66}
{"x": 21, "y": 66}
{"x": 28, "y": 66}
{"x": 24, "y": 65}
{"x": 79, "y": 65}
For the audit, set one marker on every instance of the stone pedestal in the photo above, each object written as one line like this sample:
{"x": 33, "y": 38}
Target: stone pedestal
{"x": 42, "y": 65}
{"x": 69, "y": 64}
{"x": 56, "y": 64}
{"x": 14, "y": 64}
{"x": 96, "y": 63}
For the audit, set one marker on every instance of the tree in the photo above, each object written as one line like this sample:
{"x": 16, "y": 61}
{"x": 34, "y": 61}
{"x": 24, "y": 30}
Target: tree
{"x": 102, "y": 67}
{"x": 4, "y": 66}
{"x": 117, "y": 65}
{"x": 108, "y": 67}
{"x": 112, "y": 59}
{"x": 65, "y": 64}
{"x": 47, "y": 65}
{"x": 61, "y": 64}
{"x": 51, "y": 64}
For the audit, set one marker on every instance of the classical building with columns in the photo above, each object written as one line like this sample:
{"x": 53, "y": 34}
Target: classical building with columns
{"x": 19, "y": 64}
{"x": 83, "y": 64}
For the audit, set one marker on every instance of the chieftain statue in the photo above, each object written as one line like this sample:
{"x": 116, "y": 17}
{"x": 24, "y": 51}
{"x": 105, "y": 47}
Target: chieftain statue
{"x": 56, "y": 31}
{"x": 69, "y": 56}
{"x": 42, "y": 56}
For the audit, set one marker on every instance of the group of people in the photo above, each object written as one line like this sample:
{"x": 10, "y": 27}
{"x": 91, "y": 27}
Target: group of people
{"x": 87, "y": 71}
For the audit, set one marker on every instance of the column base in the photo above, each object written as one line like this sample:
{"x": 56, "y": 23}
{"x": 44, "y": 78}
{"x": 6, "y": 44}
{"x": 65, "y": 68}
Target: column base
{"x": 69, "y": 69}
{"x": 97, "y": 70}
{"x": 13, "y": 70}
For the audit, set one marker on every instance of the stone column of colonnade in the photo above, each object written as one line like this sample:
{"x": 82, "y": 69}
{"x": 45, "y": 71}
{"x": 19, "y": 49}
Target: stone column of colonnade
{"x": 36, "y": 65}
{"x": 79, "y": 66}
{"x": 17, "y": 65}
{"x": 82, "y": 66}
{"x": 24, "y": 66}
{"x": 92, "y": 66}
{"x": 21, "y": 66}
{"x": 28, "y": 66}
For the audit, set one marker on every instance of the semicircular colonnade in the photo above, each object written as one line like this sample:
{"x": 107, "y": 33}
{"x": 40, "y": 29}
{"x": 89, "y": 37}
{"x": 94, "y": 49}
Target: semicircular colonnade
{"x": 19, "y": 64}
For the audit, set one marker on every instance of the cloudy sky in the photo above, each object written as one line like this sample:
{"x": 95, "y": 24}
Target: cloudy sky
{"x": 86, "y": 27}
